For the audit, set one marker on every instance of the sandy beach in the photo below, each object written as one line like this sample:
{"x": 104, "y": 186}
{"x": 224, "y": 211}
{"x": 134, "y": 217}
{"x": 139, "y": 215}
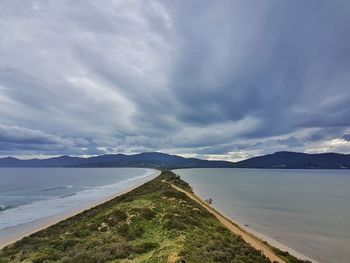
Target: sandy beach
{"x": 10, "y": 235}
{"x": 251, "y": 237}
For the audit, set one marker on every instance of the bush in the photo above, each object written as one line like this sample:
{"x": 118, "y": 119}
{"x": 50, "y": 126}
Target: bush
{"x": 131, "y": 231}
{"x": 121, "y": 249}
{"x": 46, "y": 254}
{"x": 115, "y": 217}
{"x": 68, "y": 243}
{"x": 120, "y": 215}
{"x": 175, "y": 225}
{"x": 146, "y": 247}
{"x": 175, "y": 194}
{"x": 148, "y": 213}
{"x": 79, "y": 257}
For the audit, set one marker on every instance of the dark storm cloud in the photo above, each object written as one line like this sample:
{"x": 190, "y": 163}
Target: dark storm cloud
{"x": 346, "y": 137}
{"x": 15, "y": 139}
{"x": 290, "y": 141}
{"x": 207, "y": 77}
{"x": 272, "y": 60}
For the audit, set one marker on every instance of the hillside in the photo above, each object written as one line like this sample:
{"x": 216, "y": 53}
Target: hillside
{"x": 294, "y": 160}
{"x": 148, "y": 160}
{"x": 152, "y": 223}
{"x": 286, "y": 160}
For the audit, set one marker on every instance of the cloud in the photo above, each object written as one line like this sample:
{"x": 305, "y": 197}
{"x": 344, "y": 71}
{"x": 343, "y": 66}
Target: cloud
{"x": 290, "y": 141}
{"x": 15, "y": 139}
{"x": 334, "y": 145}
{"x": 346, "y": 137}
{"x": 221, "y": 79}
{"x": 262, "y": 62}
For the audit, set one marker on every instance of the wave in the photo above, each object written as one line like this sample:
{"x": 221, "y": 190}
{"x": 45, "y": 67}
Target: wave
{"x": 6, "y": 207}
{"x": 45, "y": 208}
{"x": 57, "y": 188}
{"x": 146, "y": 174}
{"x": 68, "y": 195}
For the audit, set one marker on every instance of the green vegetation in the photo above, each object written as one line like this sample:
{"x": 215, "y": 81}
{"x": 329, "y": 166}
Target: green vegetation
{"x": 152, "y": 223}
{"x": 288, "y": 257}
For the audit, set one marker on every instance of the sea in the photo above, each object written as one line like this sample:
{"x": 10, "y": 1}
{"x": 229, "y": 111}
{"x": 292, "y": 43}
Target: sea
{"x": 305, "y": 211}
{"x": 29, "y": 194}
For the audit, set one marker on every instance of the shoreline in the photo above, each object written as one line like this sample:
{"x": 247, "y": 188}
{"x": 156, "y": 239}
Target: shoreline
{"x": 140, "y": 221}
{"x": 234, "y": 228}
{"x": 251, "y": 236}
{"x": 16, "y": 233}
{"x": 274, "y": 243}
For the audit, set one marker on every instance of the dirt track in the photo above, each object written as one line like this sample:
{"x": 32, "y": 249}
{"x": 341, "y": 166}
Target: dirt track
{"x": 249, "y": 238}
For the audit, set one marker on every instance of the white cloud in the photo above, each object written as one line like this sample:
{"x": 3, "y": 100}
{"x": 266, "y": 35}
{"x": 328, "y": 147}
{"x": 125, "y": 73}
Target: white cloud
{"x": 334, "y": 145}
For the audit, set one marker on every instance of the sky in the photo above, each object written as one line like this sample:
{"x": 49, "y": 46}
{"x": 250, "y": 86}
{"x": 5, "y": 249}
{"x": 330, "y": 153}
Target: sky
{"x": 208, "y": 79}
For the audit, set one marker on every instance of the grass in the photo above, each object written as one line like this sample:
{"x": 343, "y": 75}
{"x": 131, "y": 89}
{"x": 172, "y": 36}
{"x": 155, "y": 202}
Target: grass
{"x": 152, "y": 223}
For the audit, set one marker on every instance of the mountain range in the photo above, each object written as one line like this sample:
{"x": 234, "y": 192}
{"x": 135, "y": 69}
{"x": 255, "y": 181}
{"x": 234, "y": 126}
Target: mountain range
{"x": 286, "y": 160}
{"x": 296, "y": 160}
{"x": 282, "y": 160}
{"x": 148, "y": 160}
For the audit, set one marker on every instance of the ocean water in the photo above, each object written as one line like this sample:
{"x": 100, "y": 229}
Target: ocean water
{"x": 306, "y": 210}
{"x": 27, "y": 194}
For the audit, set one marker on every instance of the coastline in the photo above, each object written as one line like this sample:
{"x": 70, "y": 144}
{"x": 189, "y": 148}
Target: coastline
{"x": 274, "y": 243}
{"x": 14, "y": 233}
{"x": 254, "y": 238}
{"x": 153, "y": 223}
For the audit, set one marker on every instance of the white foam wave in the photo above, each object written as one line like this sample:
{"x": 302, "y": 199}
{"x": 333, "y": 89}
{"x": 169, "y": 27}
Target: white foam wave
{"x": 44, "y": 208}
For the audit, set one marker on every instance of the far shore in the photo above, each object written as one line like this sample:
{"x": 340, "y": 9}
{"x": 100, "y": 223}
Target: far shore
{"x": 12, "y": 234}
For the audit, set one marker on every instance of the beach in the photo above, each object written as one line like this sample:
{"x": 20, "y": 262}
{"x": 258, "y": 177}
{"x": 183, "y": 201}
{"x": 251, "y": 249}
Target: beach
{"x": 304, "y": 212}
{"x": 12, "y": 234}
{"x": 253, "y": 238}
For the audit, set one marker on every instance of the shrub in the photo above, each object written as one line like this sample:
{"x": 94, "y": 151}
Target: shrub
{"x": 148, "y": 213}
{"x": 146, "y": 247}
{"x": 46, "y": 254}
{"x": 175, "y": 225}
{"x": 122, "y": 249}
{"x": 170, "y": 193}
{"x": 116, "y": 217}
{"x": 79, "y": 257}
{"x": 131, "y": 231}
{"x": 68, "y": 243}
{"x": 120, "y": 215}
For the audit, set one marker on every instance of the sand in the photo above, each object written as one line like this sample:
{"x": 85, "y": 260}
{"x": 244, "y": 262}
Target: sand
{"x": 236, "y": 229}
{"x": 10, "y": 235}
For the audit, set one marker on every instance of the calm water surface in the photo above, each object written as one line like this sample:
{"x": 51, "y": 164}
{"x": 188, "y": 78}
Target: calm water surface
{"x": 307, "y": 210}
{"x": 27, "y": 194}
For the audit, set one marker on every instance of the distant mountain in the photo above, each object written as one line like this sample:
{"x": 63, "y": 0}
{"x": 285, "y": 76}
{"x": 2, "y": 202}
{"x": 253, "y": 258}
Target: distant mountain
{"x": 148, "y": 160}
{"x": 282, "y": 160}
{"x": 294, "y": 160}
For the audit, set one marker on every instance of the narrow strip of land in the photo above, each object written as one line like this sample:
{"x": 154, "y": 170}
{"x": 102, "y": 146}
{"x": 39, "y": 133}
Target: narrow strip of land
{"x": 247, "y": 237}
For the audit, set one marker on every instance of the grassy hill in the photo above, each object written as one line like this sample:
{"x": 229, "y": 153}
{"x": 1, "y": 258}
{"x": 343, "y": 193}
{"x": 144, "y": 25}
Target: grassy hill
{"x": 152, "y": 223}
